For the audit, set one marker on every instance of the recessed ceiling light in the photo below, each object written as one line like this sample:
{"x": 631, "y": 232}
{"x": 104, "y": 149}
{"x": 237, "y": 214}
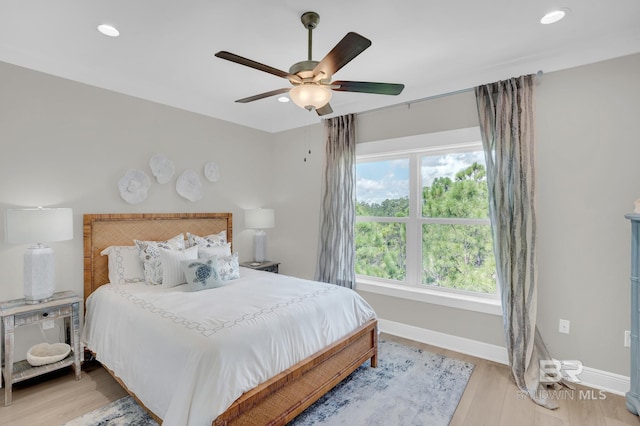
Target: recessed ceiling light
{"x": 553, "y": 16}
{"x": 108, "y": 30}
{"x": 283, "y": 99}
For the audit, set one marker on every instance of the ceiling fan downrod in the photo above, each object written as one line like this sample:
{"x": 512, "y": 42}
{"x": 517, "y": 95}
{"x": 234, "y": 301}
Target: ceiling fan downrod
{"x": 310, "y": 20}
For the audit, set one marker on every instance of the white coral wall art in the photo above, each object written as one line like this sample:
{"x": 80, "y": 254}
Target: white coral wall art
{"x": 189, "y": 185}
{"x": 211, "y": 171}
{"x": 134, "y": 186}
{"x": 162, "y": 168}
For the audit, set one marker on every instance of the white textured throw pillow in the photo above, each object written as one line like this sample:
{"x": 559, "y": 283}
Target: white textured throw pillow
{"x": 172, "y": 273}
{"x": 124, "y": 264}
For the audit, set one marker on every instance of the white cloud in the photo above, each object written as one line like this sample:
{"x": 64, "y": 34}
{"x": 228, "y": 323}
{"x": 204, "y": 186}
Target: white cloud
{"x": 389, "y": 179}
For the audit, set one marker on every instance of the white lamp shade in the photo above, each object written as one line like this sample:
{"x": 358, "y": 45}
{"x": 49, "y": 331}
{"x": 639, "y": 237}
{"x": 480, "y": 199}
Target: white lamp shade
{"x": 259, "y": 218}
{"x": 38, "y": 225}
{"x": 310, "y": 96}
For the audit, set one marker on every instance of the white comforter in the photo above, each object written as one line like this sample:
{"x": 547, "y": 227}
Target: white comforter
{"x": 189, "y": 355}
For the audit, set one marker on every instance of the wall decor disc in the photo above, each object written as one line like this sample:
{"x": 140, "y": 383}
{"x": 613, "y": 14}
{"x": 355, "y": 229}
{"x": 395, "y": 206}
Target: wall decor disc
{"x": 162, "y": 168}
{"x": 189, "y": 185}
{"x": 211, "y": 171}
{"x": 134, "y": 186}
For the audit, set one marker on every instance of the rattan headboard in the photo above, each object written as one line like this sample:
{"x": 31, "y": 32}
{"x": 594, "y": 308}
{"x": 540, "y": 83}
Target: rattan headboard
{"x": 104, "y": 230}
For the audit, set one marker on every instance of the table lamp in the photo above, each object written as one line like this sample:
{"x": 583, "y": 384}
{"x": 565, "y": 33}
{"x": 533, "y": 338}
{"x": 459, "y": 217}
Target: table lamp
{"x": 259, "y": 219}
{"x": 38, "y": 226}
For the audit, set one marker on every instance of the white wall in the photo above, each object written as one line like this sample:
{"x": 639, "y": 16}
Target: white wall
{"x": 298, "y": 160}
{"x": 68, "y": 144}
{"x": 588, "y": 177}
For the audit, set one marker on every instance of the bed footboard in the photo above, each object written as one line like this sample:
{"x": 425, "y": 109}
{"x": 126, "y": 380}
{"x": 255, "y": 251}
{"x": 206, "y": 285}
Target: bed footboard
{"x": 288, "y": 394}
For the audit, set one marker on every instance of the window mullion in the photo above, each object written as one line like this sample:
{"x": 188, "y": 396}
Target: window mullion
{"x": 413, "y": 227}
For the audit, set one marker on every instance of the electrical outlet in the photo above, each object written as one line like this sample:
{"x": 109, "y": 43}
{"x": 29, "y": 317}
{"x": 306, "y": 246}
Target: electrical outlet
{"x": 627, "y": 338}
{"x": 564, "y": 326}
{"x": 46, "y": 325}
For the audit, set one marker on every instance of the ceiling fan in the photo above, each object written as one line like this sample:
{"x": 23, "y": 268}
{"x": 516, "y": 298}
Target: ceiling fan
{"x": 311, "y": 79}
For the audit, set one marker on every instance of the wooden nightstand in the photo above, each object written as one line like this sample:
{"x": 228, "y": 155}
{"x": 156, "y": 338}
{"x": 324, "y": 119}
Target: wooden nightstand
{"x": 17, "y": 313}
{"x": 267, "y": 266}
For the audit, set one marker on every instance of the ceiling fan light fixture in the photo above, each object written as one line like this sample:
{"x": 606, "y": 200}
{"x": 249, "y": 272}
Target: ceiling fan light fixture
{"x": 108, "y": 30}
{"x": 310, "y": 96}
{"x": 553, "y": 16}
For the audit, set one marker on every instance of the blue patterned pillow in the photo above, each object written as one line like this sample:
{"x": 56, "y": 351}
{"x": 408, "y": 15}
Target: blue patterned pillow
{"x": 228, "y": 267}
{"x": 213, "y": 240}
{"x": 149, "y": 252}
{"x": 201, "y": 273}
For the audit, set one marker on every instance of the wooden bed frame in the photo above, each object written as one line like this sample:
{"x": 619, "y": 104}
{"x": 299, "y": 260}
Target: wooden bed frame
{"x": 281, "y": 398}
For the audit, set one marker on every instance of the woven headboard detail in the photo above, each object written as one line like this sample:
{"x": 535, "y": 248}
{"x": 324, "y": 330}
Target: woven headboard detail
{"x": 110, "y": 229}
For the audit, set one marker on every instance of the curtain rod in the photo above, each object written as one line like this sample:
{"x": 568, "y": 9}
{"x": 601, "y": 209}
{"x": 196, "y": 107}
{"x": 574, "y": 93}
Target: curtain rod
{"x": 429, "y": 98}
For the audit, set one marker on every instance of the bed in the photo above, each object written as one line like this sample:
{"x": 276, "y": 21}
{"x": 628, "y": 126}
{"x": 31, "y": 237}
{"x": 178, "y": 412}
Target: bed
{"x": 276, "y": 398}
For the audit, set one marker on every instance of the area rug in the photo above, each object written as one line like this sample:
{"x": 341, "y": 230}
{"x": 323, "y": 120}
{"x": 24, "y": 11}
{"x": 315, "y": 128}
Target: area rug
{"x": 409, "y": 387}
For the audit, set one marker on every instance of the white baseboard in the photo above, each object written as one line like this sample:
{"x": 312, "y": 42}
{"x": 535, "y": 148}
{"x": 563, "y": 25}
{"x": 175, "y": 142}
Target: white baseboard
{"x": 604, "y": 380}
{"x": 599, "y": 379}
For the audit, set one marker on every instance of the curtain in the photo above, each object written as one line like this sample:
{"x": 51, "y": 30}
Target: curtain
{"x": 336, "y": 256}
{"x": 506, "y": 113}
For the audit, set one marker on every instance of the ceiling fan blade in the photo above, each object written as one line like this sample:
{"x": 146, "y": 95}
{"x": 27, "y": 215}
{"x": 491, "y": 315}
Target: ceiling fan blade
{"x": 367, "y": 87}
{"x": 256, "y": 65}
{"x": 262, "y": 95}
{"x": 348, "y": 48}
{"x": 324, "y": 110}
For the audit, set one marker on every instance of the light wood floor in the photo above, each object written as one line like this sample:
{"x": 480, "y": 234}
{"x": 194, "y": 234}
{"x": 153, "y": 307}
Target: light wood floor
{"x": 491, "y": 398}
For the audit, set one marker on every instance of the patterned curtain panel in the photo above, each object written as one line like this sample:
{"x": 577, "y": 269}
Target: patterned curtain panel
{"x": 336, "y": 257}
{"x": 506, "y": 113}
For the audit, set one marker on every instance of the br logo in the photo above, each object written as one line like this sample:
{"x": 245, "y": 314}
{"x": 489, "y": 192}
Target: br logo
{"x": 553, "y": 371}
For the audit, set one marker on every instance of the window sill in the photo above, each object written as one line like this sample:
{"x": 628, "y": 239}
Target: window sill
{"x": 452, "y": 300}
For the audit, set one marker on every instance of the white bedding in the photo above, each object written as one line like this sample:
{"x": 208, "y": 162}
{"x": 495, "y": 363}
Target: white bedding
{"x": 189, "y": 355}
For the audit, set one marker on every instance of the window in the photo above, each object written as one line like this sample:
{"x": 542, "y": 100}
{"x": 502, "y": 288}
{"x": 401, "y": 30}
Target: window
{"x": 422, "y": 215}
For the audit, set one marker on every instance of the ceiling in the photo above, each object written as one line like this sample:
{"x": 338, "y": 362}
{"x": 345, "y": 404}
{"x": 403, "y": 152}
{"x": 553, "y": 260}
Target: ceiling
{"x": 165, "y": 52}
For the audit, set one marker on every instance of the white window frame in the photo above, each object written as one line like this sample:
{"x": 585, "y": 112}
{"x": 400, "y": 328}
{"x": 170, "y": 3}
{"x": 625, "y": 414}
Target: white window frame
{"x": 415, "y": 147}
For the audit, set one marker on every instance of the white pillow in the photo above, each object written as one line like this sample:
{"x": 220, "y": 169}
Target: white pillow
{"x": 220, "y": 251}
{"x": 172, "y": 273}
{"x": 149, "y": 252}
{"x": 213, "y": 240}
{"x": 124, "y": 264}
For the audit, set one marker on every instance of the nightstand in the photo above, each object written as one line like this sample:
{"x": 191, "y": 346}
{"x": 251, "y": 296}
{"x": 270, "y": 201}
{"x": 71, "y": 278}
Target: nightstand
{"x": 267, "y": 266}
{"x": 17, "y": 313}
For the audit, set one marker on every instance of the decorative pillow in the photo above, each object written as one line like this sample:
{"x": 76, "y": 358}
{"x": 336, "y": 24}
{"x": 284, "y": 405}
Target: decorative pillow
{"x": 172, "y": 274}
{"x": 220, "y": 251}
{"x": 201, "y": 274}
{"x": 228, "y": 267}
{"x": 149, "y": 252}
{"x": 124, "y": 264}
{"x": 213, "y": 240}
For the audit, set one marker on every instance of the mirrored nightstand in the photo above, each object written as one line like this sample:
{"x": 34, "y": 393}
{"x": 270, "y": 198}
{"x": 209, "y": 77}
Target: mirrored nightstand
{"x": 17, "y": 313}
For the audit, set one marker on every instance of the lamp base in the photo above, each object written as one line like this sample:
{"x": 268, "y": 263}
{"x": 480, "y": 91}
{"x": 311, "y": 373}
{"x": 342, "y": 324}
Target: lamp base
{"x": 260, "y": 246}
{"x": 39, "y": 274}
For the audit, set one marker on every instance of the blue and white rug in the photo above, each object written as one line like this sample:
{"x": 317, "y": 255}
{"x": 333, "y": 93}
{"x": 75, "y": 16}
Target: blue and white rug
{"x": 409, "y": 387}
